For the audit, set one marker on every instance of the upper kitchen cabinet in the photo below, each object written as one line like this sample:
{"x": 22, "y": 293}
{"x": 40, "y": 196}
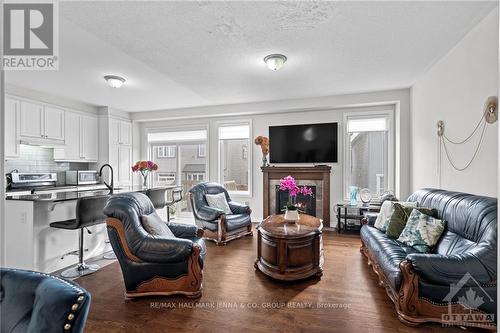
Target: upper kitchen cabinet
{"x": 11, "y": 128}
{"x": 81, "y": 139}
{"x": 119, "y": 150}
{"x": 120, "y": 131}
{"x": 41, "y": 122}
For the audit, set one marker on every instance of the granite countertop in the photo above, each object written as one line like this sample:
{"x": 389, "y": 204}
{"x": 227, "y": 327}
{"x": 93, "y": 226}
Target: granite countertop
{"x": 74, "y": 195}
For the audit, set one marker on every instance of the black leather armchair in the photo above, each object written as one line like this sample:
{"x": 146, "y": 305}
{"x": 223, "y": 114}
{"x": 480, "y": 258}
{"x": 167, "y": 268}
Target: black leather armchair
{"x": 154, "y": 265}
{"x": 218, "y": 226}
{"x": 37, "y": 302}
{"x": 433, "y": 286}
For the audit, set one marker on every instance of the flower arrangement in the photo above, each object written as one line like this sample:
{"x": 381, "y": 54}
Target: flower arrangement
{"x": 263, "y": 142}
{"x": 289, "y": 184}
{"x": 144, "y": 167}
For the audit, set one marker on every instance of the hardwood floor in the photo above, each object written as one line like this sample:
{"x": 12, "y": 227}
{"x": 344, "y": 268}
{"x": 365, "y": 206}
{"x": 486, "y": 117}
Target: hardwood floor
{"x": 237, "y": 298}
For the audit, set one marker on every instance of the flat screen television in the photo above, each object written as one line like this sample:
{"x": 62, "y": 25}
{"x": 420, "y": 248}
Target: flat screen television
{"x": 308, "y": 143}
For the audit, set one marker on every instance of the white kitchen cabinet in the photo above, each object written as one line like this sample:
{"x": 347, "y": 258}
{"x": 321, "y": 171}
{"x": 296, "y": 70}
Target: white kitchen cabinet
{"x": 11, "y": 128}
{"x": 125, "y": 133}
{"x": 31, "y": 117}
{"x": 89, "y": 138}
{"x": 114, "y": 131}
{"x": 41, "y": 122}
{"x": 81, "y": 139}
{"x": 53, "y": 123}
{"x": 125, "y": 165}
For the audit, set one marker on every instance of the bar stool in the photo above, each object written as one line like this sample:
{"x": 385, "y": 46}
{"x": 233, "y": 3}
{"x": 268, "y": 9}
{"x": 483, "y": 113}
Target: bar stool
{"x": 157, "y": 197}
{"x": 176, "y": 197}
{"x": 89, "y": 212}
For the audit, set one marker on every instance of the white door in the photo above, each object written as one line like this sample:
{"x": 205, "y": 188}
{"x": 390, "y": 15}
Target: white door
{"x": 125, "y": 133}
{"x": 31, "y": 119}
{"x": 71, "y": 150}
{"x": 125, "y": 165}
{"x": 89, "y": 138}
{"x": 54, "y": 123}
{"x": 11, "y": 127}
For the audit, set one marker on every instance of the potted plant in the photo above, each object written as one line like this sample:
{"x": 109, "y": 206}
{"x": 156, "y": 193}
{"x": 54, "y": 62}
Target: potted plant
{"x": 145, "y": 168}
{"x": 288, "y": 184}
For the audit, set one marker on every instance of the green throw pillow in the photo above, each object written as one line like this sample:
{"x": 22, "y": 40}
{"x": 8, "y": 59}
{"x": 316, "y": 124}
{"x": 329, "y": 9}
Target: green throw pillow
{"x": 398, "y": 220}
{"x": 386, "y": 212}
{"x": 422, "y": 231}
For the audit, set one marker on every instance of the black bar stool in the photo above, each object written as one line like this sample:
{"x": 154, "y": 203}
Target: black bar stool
{"x": 157, "y": 197}
{"x": 89, "y": 212}
{"x": 176, "y": 197}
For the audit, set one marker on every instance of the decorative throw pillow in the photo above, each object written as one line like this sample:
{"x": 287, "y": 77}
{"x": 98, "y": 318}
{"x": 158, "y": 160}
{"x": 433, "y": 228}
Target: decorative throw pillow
{"x": 421, "y": 231}
{"x": 398, "y": 220}
{"x": 386, "y": 212}
{"x": 155, "y": 226}
{"x": 218, "y": 201}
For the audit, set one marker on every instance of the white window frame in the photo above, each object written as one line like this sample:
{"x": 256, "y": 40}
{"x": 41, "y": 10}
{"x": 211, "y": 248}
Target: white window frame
{"x": 220, "y": 171}
{"x": 202, "y": 150}
{"x": 391, "y": 143}
{"x": 168, "y": 151}
{"x": 179, "y": 128}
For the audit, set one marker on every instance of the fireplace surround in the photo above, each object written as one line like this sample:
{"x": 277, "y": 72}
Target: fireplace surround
{"x": 312, "y": 176}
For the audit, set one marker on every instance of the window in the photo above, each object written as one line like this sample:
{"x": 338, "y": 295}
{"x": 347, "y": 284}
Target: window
{"x": 166, "y": 151}
{"x": 202, "y": 150}
{"x": 235, "y": 157}
{"x": 177, "y": 153}
{"x": 369, "y": 150}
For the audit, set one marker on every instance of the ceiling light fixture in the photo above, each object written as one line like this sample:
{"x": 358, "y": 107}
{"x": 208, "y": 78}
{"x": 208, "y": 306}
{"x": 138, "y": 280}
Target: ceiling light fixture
{"x": 114, "y": 81}
{"x": 275, "y": 61}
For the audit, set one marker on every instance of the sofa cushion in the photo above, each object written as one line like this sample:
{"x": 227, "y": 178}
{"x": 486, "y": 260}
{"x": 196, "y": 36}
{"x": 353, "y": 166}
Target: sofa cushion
{"x": 422, "y": 231}
{"x": 236, "y": 221}
{"x": 399, "y": 218}
{"x": 155, "y": 226}
{"x": 386, "y": 212}
{"x": 218, "y": 201}
{"x": 387, "y": 252}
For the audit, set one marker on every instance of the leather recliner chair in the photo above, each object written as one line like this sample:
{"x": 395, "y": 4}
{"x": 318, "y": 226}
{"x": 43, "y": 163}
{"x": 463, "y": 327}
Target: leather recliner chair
{"x": 38, "y": 302}
{"x": 154, "y": 265}
{"x": 218, "y": 226}
{"x": 438, "y": 286}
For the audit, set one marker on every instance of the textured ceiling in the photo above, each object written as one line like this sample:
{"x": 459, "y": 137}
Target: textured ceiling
{"x": 180, "y": 54}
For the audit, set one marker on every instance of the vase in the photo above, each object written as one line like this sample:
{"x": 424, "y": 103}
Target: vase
{"x": 145, "y": 180}
{"x": 354, "y": 195}
{"x": 291, "y": 215}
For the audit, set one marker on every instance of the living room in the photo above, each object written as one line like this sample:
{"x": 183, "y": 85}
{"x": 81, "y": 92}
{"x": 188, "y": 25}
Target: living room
{"x": 262, "y": 166}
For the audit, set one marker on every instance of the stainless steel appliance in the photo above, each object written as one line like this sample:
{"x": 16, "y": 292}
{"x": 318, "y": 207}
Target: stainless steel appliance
{"x": 82, "y": 177}
{"x": 30, "y": 180}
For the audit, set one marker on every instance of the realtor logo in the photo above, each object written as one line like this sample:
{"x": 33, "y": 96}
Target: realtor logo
{"x": 30, "y": 39}
{"x": 472, "y": 297}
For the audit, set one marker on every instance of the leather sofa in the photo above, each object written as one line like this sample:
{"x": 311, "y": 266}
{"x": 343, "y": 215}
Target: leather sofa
{"x": 438, "y": 286}
{"x": 150, "y": 264}
{"x": 218, "y": 226}
{"x": 37, "y": 302}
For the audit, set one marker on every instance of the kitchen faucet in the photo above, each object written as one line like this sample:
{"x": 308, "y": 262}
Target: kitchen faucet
{"x": 110, "y": 187}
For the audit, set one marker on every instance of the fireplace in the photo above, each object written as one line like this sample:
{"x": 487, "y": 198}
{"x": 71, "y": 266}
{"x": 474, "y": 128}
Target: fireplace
{"x": 317, "y": 177}
{"x": 307, "y": 203}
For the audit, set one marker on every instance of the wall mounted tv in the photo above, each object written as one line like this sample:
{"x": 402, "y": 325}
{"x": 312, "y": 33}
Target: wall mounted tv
{"x": 308, "y": 143}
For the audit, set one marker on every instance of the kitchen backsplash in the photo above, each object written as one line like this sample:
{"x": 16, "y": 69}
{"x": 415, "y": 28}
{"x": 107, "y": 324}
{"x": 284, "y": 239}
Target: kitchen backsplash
{"x": 40, "y": 159}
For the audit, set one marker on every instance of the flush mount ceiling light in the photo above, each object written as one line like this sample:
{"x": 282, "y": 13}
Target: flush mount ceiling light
{"x": 114, "y": 81}
{"x": 275, "y": 61}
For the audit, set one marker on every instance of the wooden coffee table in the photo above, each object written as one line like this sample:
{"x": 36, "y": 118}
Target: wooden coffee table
{"x": 290, "y": 251}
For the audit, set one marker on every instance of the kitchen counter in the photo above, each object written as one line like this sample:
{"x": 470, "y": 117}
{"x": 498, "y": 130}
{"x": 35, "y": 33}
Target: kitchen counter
{"x": 71, "y": 194}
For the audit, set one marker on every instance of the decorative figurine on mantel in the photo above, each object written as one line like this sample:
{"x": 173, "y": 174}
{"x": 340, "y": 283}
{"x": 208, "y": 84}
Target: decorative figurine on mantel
{"x": 263, "y": 142}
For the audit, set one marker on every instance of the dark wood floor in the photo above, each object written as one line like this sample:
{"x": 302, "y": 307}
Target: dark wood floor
{"x": 348, "y": 290}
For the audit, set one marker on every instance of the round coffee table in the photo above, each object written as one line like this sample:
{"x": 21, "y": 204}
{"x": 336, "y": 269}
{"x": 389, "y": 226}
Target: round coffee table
{"x": 290, "y": 251}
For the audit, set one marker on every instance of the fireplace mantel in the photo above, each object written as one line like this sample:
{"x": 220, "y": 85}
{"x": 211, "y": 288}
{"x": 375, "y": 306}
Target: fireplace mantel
{"x": 319, "y": 173}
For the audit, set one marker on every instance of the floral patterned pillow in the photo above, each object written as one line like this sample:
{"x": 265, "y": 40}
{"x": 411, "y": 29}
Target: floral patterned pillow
{"x": 386, "y": 212}
{"x": 422, "y": 231}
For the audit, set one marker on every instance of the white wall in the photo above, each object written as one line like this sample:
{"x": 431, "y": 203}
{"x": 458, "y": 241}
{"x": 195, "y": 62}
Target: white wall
{"x": 454, "y": 90}
{"x": 313, "y": 110}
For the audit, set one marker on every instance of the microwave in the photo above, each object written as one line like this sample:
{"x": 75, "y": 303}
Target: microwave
{"x": 82, "y": 177}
